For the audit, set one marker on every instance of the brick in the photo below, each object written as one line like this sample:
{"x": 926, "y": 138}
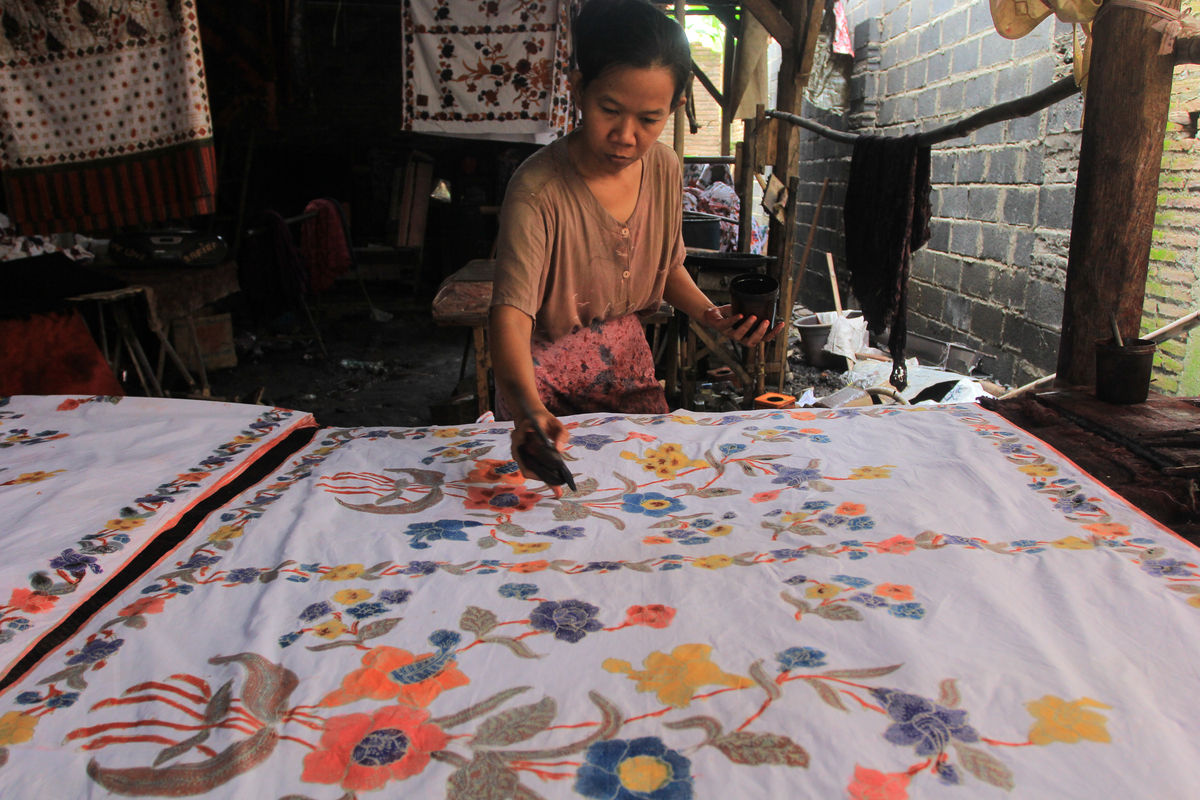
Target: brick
{"x": 995, "y": 244}
{"x": 939, "y": 238}
{"x": 954, "y": 28}
{"x": 942, "y": 167}
{"x": 952, "y": 202}
{"x": 922, "y": 266}
{"x": 983, "y": 202}
{"x": 988, "y": 134}
{"x": 980, "y": 90}
{"x": 887, "y": 112}
{"x": 957, "y": 312}
{"x": 930, "y": 39}
{"x": 1041, "y": 72}
{"x": 890, "y": 56}
{"x": 950, "y": 98}
{"x": 981, "y": 18}
{"x": 1019, "y": 206}
{"x": 1008, "y": 288}
{"x": 1024, "y": 129}
{"x": 895, "y": 23}
{"x": 947, "y": 272}
{"x": 927, "y": 104}
{"x": 966, "y": 57}
{"x": 977, "y": 279}
{"x": 930, "y": 301}
{"x": 939, "y": 7}
{"x": 1055, "y": 206}
{"x": 914, "y": 75}
{"x": 1002, "y": 166}
{"x": 1012, "y": 83}
{"x": 864, "y": 33}
{"x": 971, "y": 166}
{"x": 1037, "y": 41}
{"x": 938, "y": 68}
{"x": 994, "y": 49}
{"x": 1065, "y": 116}
{"x": 1023, "y": 249}
{"x": 1044, "y": 304}
{"x": 908, "y": 48}
{"x": 918, "y": 13}
{"x": 987, "y": 322}
{"x": 1034, "y": 170}
{"x": 895, "y": 81}
{"x": 964, "y": 239}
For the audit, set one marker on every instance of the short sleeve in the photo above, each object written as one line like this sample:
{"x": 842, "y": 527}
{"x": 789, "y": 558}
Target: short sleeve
{"x": 521, "y": 254}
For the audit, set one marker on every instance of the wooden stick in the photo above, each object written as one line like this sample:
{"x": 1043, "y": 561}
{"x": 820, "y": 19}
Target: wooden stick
{"x": 837, "y": 296}
{"x": 793, "y": 284}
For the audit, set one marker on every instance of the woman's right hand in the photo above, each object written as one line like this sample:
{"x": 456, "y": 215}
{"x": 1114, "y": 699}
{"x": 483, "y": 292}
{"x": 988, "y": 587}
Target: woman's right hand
{"x": 524, "y": 431}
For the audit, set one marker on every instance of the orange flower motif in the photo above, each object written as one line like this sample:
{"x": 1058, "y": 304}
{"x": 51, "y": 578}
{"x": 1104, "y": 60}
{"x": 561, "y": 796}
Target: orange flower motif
{"x": 490, "y": 470}
{"x": 764, "y": 497}
{"x": 31, "y": 602}
{"x": 193, "y": 476}
{"x": 803, "y": 416}
{"x": 374, "y": 683}
{"x": 363, "y": 752}
{"x": 70, "y": 404}
{"x": 652, "y": 616}
{"x": 657, "y": 540}
{"x": 503, "y": 498}
{"x": 811, "y": 430}
{"x": 871, "y": 784}
{"x": 530, "y": 566}
{"x": 144, "y": 605}
{"x": 850, "y": 509}
{"x": 1108, "y": 530}
{"x": 899, "y": 545}
{"x": 894, "y": 591}
{"x": 32, "y": 477}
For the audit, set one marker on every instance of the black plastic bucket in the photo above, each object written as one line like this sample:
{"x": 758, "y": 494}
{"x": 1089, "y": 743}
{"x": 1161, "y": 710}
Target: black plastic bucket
{"x": 755, "y": 295}
{"x": 1123, "y": 373}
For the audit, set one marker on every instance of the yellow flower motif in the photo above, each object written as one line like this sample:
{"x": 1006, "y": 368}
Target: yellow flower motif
{"x": 1073, "y": 543}
{"x": 16, "y": 728}
{"x": 793, "y": 517}
{"x": 822, "y": 590}
{"x": 322, "y": 451}
{"x": 1194, "y": 601}
{"x": 446, "y": 433}
{"x": 713, "y": 562}
{"x": 682, "y": 420}
{"x": 872, "y": 473}
{"x": 719, "y": 530}
{"x": 349, "y": 597}
{"x": 1039, "y": 470}
{"x": 34, "y": 477}
{"x": 245, "y": 439}
{"x": 330, "y": 629}
{"x": 528, "y": 547}
{"x": 343, "y": 572}
{"x": 1061, "y": 721}
{"x": 224, "y": 533}
{"x": 676, "y": 677}
{"x": 664, "y": 461}
{"x": 124, "y": 524}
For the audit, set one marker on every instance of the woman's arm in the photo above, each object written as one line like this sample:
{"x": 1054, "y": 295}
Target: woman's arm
{"x": 510, "y": 330}
{"x": 683, "y": 293}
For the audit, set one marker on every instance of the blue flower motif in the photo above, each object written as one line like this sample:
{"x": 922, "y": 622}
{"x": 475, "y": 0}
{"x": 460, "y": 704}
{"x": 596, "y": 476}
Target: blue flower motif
{"x": 652, "y": 504}
{"x": 695, "y": 540}
{"x": 816, "y": 505}
{"x": 729, "y": 515}
{"x": 288, "y": 639}
{"x": 242, "y": 575}
{"x": 1074, "y": 504}
{"x": 672, "y": 565}
{"x": 855, "y": 555}
{"x": 199, "y": 561}
{"x": 28, "y": 698}
{"x": 420, "y": 568}
{"x": 851, "y": 543}
{"x": 602, "y": 566}
{"x": 490, "y": 562}
{"x": 822, "y": 439}
{"x": 297, "y": 578}
{"x": 832, "y": 520}
{"x": 181, "y": 590}
{"x": 65, "y": 700}
{"x": 565, "y": 532}
{"x": 796, "y": 580}
{"x": 19, "y": 624}
{"x": 600, "y": 776}
{"x": 1036, "y": 550}
{"x": 868, "y": 600}
{"x": 703, "y": 524}
{"x": 860, "y": 523}
{"x": 569, "y": 620}
{"x": 731, "y": 449}
{"x": 592, "y": 441}
{"x": 1163, "y": 567}
{"x": 394, "y": 597}
{"x": 518, "y": 591}
{"x": 788, "y": 553}
{"x": 672, "y": 558}
{"x": 923, "y": 723}
{"x": 95, "y": 650}
{"x": 948, "y": 774}
{"x": 75, "y": 563}
{"x": 366, "y": 610}
{"x": 1141, "y": 540}
{"x": 796, "y": 478}
{"x": 316, "y": 611}
{"x": 1011, "y": 448}
{"x": 850, "y": 580}
{"x": 448, "y": 529}
{"x": 1025, "y": 543}
{"x": 907, "y": 610}
{"x": 310, "y": 567}
{"x": 796, "y": 657}
{"x": 960, "y": 540}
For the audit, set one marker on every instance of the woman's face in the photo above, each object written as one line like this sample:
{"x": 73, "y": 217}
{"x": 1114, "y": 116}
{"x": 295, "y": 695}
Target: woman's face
{"x": 624, "y": 111}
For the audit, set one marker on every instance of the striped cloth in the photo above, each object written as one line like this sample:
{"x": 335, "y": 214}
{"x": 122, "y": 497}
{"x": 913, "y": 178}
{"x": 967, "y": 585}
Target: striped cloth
{"x": 104, "y": 118}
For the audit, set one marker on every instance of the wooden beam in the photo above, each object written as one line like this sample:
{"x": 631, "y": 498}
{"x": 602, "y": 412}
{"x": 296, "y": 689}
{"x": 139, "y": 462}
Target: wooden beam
{"x": 776, "y": 24}
{"x": 681, "y": 112}
{"x": 707, "y": 83}
{"x": 1116, "y": 194}
{"x": 729, "y": 61}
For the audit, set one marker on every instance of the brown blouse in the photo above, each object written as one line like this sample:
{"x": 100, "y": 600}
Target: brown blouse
{"x": 565, "y": 261}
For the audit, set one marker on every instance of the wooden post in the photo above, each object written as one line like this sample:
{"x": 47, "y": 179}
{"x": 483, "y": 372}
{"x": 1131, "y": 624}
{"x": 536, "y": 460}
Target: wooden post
{"x": 680, "y": 113}
{"x": 729, "y": 55}
{"x": 1124, "y": 121}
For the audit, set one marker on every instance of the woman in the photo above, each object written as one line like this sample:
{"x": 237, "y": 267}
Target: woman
{"x": 591, "y": 236}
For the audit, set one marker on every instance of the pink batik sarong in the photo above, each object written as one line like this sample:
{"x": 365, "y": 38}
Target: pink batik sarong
{"x": 606, "y": 367}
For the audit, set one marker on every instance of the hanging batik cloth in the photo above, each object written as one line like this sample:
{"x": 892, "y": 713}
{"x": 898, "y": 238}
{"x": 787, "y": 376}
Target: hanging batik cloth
{"x": 494, "y": 69}
{"x": 104, "y": 118}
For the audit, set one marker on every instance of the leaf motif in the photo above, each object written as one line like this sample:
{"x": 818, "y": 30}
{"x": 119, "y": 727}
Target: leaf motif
{"x": 611, "y": 718}
{"x": 200, "y": 777}
{"x": 267, "y": 688}
{"x": 712, "y": 727}
{"x": 838, "y": 612}
{"x": 869, "y": 672}
{"x": 925, "y": 537}
{"x": 218, "y": 704}
{"x": 666, "y": 523}
{"x": 744, "y": 559}
{"x": 516, "y": 724}
{"x": 638, "y": 566}
{"x": 1185, "y": 588}
{"x": 806, "y": 530}
{"x": 618, "y": 524}
{"x": 753, "y": 749}
{"x": 3, "y": 756}
{"x": 820, "y": 486}
{"x": 996, "y": 547}
{"x": 487, "y": 777}
{"x": 176, "y": 750}
{"x": 583, "y": 488}
{"x": 428, "y": 501}
{"x": 1152, "y": 553}
{"x": 221, "y": 545}
{"x": 486, "y": 543}
{"x": 373, "y": 630}
{"x": 333, "y": 645}
{"x": 477, "y": 620}
{"x": 716, "y": 491}
{"x": 630, "y": 486}
{"x": 797, "y": 602}
{"x": 985, "y": 767}
{"x": 455, "y": 569}
{"x": 683, "y": 487}
{"x": 137, "y": 622}
{"x": 479, "y": 709}
{"x": 746, "y": 468}
{"x": 814, "y": 463}
{"x": 826, "y": 693}
{"x": 718, "y": 465}
{"x": 764, "y": 681}
{"x": 422, "y": 669}
{"x": 519, "y": 649}
{"x": 948, "y": 695}
{"x": 511, "y": 529}
{"x": 566, "y": 511}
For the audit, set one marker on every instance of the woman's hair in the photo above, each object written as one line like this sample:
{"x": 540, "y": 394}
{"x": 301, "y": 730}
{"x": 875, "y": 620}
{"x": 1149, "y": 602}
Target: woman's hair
{"x": 629, "y": 33}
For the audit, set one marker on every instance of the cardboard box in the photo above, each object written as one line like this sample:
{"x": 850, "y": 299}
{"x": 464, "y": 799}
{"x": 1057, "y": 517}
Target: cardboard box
{"x": 215, "y": 334}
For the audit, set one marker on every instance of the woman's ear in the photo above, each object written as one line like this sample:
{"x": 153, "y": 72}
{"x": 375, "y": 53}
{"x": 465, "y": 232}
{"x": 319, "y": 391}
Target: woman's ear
{"x": 575, "y": 81}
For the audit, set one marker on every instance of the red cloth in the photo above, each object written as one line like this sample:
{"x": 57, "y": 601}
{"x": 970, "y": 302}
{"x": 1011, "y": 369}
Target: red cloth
{"x": 52, "y": 354}
{"x": 323, "y": 245}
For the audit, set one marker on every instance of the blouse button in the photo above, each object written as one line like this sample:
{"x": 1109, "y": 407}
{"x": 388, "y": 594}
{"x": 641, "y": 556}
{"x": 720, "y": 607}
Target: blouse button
{"x": 624, "y": 231}
{"x": 625, "y": 274}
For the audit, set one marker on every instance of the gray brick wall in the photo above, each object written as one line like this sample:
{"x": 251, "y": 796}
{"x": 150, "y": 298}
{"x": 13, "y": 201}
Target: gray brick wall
{"x": 992, "y": 275}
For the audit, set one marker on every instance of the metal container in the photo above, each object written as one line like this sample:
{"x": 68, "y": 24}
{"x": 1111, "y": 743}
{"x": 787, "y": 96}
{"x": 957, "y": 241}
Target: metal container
{"x": 701, "y": 230}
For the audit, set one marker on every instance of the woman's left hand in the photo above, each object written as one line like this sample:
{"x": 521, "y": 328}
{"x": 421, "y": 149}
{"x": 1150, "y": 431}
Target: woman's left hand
{"x": 748, "y": 331}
